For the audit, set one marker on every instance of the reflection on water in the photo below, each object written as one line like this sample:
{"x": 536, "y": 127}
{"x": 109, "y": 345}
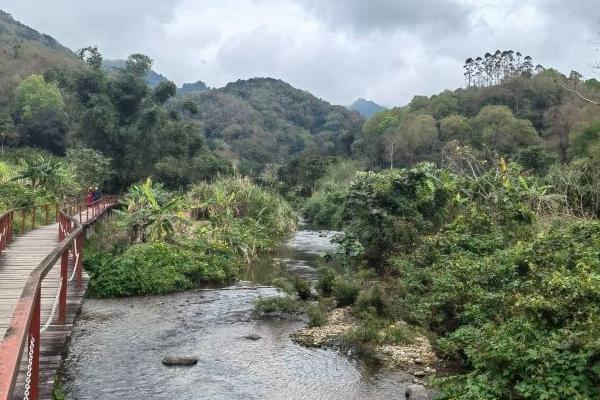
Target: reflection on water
{"x": 118, "y": 345}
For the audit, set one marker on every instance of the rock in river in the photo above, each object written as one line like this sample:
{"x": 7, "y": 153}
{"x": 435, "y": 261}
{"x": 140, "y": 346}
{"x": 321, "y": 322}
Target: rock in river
{"x": 416, "y": 392}
{"x": 252, "y": 336}
{"x": 171, "y": 361}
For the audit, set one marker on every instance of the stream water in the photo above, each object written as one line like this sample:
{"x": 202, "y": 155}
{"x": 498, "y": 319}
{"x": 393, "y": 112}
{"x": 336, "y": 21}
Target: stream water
{"x": 117, "y": 345}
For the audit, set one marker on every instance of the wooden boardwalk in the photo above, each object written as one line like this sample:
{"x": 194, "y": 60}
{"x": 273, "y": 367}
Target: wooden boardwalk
{"x": 24, "y": 254}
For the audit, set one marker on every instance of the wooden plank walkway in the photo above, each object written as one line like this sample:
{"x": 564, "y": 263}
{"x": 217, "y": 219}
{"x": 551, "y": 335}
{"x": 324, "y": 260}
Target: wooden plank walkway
{"x": 19, "y": 259}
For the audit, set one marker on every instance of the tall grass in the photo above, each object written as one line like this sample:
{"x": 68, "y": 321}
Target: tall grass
{"x": 249, "y": 218}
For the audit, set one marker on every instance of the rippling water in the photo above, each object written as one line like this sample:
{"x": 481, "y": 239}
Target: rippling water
{"x": 118, "y": 345}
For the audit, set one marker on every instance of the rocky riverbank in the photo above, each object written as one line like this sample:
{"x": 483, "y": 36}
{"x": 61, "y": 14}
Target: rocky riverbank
{"x": 416, "y": 357}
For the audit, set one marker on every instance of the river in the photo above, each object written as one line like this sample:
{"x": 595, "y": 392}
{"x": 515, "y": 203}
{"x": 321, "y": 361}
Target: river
{"x": 117, "y": 345}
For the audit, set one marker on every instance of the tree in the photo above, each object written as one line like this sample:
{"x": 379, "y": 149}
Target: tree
{"x": 496, "y": 128}
{"x": 46, "y": 129}
{"x": 586, "y": 142}
{"x": 412, "y": 140}
{"x": 91, "y": 167}
{"x": 43, "y": 172}
{"x": 164, "y": 91}
{"x": 455, "y": 127}
{"x": 34, "y": 95}
{"x": 8, "y": 133}
{"x": 91, "y": 56}
{"x": 138, "y": 65}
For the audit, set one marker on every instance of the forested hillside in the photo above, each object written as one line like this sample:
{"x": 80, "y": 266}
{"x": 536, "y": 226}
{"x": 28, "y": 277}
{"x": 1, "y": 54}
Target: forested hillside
{"x": 147, "y": 126}
{"x": 517, "y": 116}
{"x": 260, "y": 123}
{"x": 24, "y": 51}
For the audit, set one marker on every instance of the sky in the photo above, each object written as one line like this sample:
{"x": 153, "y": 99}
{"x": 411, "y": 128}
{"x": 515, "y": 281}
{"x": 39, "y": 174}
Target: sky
{"x": 382, "y": 50}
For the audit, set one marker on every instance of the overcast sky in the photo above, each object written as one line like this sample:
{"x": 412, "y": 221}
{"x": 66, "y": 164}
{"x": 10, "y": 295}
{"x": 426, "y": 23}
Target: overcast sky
{"x": 383, "y": 50}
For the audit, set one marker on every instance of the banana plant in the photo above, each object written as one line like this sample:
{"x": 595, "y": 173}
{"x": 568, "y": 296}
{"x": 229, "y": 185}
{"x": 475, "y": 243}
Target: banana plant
{"x": 148, "y": 216}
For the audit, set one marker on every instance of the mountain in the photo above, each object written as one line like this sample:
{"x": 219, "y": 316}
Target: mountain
{"x": 187, "y": 88}
{"x": 153, "y": 78}
{"x": 366, "y": 108}
{"x": 24, "y": 51}
{"x": 263, "y": 121}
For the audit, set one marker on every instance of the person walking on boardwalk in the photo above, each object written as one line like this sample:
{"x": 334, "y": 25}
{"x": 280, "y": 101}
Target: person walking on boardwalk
{"x": 89, "y": 198}
{"x": 96, "y": 194}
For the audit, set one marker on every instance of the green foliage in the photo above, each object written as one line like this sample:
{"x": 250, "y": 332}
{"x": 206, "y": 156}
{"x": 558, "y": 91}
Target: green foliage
{"x": 151, "y": 214}
{"x": 276, "y": 304}
{"x": 316, "y": 316}
{"x": 389, "y": 210}
{"x": 164, "y": 91}
{"x": 525, "y": 315}
{"x": 586, "y": 142}
{"x": 154, "y": 268}
{"x": 495, "y": 127}
{"x": 345, "y": 291}
{"x": 323, "y": 206}
{"x": 45, "y": 173}
{"x": 578, "y": 184}
{"x": 515, "y": 301}
{"x": 326, "y": 282}
{"x": 536, "y": 158}
{"x": 34, "y": 95}
{"x": 91, "y": 168}
{"x": 252, "y": 220}
{"x": 46, "y": 129}
{"x": 301, "y": 287}
{"x": 245, "y": 220}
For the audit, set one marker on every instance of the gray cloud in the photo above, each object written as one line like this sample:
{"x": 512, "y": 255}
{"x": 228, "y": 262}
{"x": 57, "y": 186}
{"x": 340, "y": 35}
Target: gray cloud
{"x": 385, "y": 50}
{"x": 362, "y": 16}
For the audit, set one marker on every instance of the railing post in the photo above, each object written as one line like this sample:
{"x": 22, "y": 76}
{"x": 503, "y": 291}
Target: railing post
{"x": 22, "y": 220}
{"x": 60, "y": 228}
{"x": 3, "y": 231}
{"x": 34, "y": 334}
{"x": 79, "y": 265}
{"x": 10, "y": 231}
{"x": 46, "y": 220}
{"x": 33, "y": 217}
{"x": 62, "y": 303}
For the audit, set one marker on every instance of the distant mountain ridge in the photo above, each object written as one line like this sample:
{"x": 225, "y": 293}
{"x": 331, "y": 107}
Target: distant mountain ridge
{"x": 366, "y": 108}
{"x": 186, "y": 88}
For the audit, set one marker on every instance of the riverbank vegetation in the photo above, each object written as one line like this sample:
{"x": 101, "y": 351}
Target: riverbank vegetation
{"x": 501, "y": 267}
{"x": 164, "y": 242}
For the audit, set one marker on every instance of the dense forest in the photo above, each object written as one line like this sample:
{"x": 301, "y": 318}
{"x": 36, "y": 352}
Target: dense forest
{"x": 469, "y": 217}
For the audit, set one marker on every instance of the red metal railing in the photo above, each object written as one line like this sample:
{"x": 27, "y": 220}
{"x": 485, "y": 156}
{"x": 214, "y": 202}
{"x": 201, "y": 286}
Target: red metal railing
{"x": 25, "y": 325}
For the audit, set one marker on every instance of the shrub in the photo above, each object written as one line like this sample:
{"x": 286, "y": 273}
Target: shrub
{"x": 326, "y": 282}
{"x": 153, "y": 268}
{"x": 390, "y": 210}
{"x": 276, "y": 304}
{"x": 301, "y": 287}
{"x": 316, "y": 316}
{"x": 373, "y": 301}
{"x": 345, "y": 291}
